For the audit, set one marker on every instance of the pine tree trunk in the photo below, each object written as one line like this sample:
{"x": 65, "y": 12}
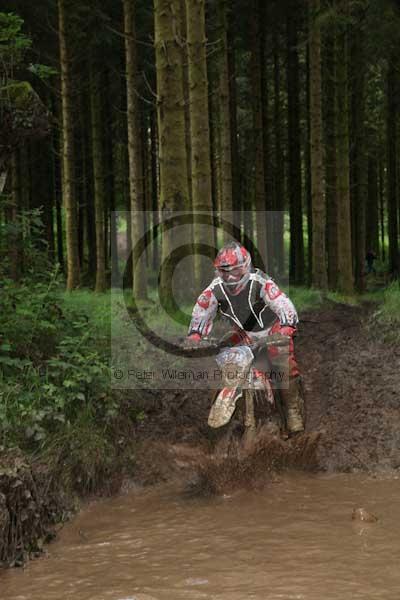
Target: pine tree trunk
{"x": 90, "y": 217}
{"x": 88, "y": 184}
{"x": 128, "y": 273}
{"x": 49, "y": 191}
{"x": 81, "y": 174}
{"x": 69, "y": 199}
{"x": 330, "y": 158}
{"x": 28, "y": 191}
{"x": 199, "y": 126}
{"x": 48, "y": 217}
{"x": 98, "y": 175}
{"x": 15, "y": 239}
{"x": 106, "y": 235}
{"x": 273, "y": 217}
{"x": 256, "y": 78}
{"x": 236, "y": 167}
{"x": 212, "y": 32}
{"x": 248, "y": 211}
{"x": 372, "y": 217}
{"x": 360, "y": 145}
{"x": 55, "y": 153}
{"x": 171, "y": 128}
{"x": 121, "y": 162}
{"x": 278, "y": 205}
{"x": 59, "y": 225}
{"x": 319, "y": 278}
{"x": 84, "y": 157}
{"x": 345, "y": 270}
{"x": 307, "y": 171}
{"x": 296, "y": 270}
{"x": 393, "y": 91}
{"x": 42, "y": 192}
{"x": 186, "y": 92}
{"x": 382, "y": 207}
{"x": 224, "y": 113}
{"x": 112, "y": 92}
{"x": 154, "y": 189}
{"x": 145, "y": 124}
{"x": 214, "y": 141}
{"x": 136, "y": 182}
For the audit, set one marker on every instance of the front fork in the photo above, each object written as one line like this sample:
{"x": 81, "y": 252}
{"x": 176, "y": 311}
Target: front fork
{"x": 250, "y": 419}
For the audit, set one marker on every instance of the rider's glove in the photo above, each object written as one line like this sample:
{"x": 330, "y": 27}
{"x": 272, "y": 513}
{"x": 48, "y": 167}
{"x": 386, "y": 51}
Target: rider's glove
{"x": 287, "y": 330}
{"x": 192, "y": 340}
{"x": 194, "y": 337}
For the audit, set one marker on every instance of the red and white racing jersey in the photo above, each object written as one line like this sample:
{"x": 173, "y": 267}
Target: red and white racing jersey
{"x": 256, "y": 308}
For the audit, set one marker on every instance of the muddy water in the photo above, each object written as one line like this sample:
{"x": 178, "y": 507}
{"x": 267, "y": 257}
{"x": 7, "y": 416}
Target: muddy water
{"x": 293, "y": 540}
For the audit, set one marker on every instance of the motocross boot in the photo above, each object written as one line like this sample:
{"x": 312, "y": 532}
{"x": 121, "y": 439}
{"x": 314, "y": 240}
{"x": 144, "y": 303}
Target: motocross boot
{"x": 293, "y": 401}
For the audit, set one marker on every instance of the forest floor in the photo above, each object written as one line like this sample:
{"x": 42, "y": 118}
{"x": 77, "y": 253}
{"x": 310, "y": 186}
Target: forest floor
{"x": 352, "y": 381}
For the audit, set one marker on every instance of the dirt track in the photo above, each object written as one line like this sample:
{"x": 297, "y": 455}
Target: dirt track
{"x": 352, "y": 382}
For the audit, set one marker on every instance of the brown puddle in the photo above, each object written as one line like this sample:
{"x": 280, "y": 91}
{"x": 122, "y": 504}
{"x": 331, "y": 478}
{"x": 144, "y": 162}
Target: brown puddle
{"x": 294, "y": 540}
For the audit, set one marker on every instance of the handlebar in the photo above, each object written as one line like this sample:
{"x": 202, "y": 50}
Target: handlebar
{"x": 276, "y": 339}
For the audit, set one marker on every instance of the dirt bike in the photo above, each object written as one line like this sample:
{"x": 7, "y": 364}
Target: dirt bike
{"x": 261, "y": 404}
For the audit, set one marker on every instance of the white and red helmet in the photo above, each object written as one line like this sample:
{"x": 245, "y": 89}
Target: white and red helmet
{"x": 233, "y": 265}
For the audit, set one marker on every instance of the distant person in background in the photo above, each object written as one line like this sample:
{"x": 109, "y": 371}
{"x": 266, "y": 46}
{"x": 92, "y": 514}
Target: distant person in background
{"x": 370, "y": 257}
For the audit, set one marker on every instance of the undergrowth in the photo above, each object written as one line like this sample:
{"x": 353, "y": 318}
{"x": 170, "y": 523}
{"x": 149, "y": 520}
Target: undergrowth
{"x": 55, "y": 394}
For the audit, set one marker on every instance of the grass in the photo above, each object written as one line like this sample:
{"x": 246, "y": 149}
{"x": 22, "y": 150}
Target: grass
{"x": 305, "y": 298}
{"x": 96, "y": 306}
{"x": 93, "y": 456}
{"x": 338, "y": 298}
{"x": 388, "y": 312}
{"x": 102, "y": 308}
{"x": 107, "y": 308}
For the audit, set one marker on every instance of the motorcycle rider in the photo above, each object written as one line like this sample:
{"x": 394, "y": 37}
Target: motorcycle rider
{"x": 254, "y": 303}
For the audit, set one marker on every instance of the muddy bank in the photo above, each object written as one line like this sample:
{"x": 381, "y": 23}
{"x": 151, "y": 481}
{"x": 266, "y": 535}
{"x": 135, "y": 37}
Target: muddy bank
{"x": 352, "y": 378}
{"x": 38, "y": 494}
{"x": 30, "y": 506}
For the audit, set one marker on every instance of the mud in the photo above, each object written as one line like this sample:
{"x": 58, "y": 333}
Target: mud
{"x": 352, "y": 382}
{"x": 30, "y": 506}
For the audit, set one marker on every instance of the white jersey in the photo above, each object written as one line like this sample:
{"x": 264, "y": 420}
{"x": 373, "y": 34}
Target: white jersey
{"x": 254, "y": 309}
